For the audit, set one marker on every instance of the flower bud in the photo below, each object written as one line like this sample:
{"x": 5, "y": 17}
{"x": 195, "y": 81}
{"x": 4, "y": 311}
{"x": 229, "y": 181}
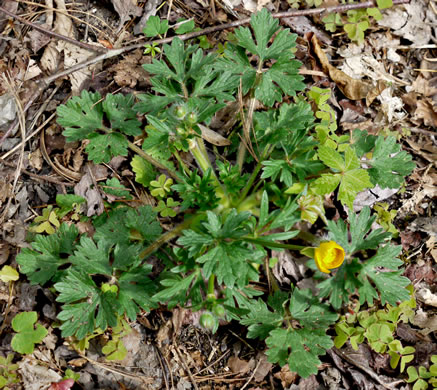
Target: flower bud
{"x": 208, "y": 321}
{"x": 328, "y": 255}
{"x": 180, "y": 113}
{"x": 219, "y": 310}
{"x": 192, "y": 118}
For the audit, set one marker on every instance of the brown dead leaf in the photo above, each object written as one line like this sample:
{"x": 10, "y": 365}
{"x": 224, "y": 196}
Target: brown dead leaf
{"x": 410, "y": 240}
{"x": 126, "y": 8}
{"x": 351, "y": 88}
{"x": 410, "y": 21}
{"x": 286, "y": 377}
{"x": 38, "y": 40}
{"x": 425, "y": 112}
{"x": 72, "y": 54}
{"x": 165, "y": 333}
{"x": 426, "y": 296}
{"x": 264, "y": 367}
{"x": 427, "y": 189}
{"x": 428, "y": 323}
{"x": 80, "y": 362}
{"x": 431, "y": 245}
{"x": 129, "y": 71}
{"x": 375, "y": 92}
{"x": 10, "y": 6}
{"x": 85, "y": 188}
{"x": 288, "y": 266}
{"x": 36, "y": 376}
{"x": 4, "y": 252}
{"x": 425, "y": 87}
{"x": 5, "y": 191}
{"x": 213, "y": 137}
{"x": 36, "y": 160}
{"x": 239, "y": 366}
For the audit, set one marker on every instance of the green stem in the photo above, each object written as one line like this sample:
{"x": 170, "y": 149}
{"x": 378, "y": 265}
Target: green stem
{"x": 272, "y": 244}
{"x": 211, "y": 284}
{"x": 255, "y": 172}
{"x": 183, "y": 165}
{"x": 252, "y": 178}
{"x": 170, "y": 235}
{"x": 198, "y": 150}
{"x": 146, "y": 157}
{"x": 151, "y": 160}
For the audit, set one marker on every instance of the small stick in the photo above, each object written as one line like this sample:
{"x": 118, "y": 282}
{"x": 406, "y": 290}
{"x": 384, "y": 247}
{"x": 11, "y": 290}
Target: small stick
{"x": 52, "y": 33}
{"x": 43, "y": 83}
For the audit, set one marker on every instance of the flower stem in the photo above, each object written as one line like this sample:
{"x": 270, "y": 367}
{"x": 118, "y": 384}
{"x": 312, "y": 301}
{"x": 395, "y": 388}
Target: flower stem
{"x": 211, "y": 283}
{"x": 198, "y": 150}
{"x": 272, "y": 244}
{"x": 151, "y": 160}
{"x": 170, "y": 235}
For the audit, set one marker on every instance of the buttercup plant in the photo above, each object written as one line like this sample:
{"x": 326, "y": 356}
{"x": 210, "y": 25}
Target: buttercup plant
{"x": 226, "y": 210}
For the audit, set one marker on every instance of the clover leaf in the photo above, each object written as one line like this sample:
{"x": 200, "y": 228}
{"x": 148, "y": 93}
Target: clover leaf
{"x": 27, "y": 335}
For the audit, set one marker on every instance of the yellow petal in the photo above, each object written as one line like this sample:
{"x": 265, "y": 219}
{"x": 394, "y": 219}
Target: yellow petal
{"x": 328, "y": 255}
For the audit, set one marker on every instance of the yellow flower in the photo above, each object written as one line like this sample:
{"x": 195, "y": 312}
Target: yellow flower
{"x": 328, "y": 255}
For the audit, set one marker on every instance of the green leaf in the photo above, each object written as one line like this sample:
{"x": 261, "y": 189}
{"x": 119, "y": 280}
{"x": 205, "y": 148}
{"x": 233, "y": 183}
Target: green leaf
{"x": 103, "y": 147}
{"x": 382, "y": 270}
{"x": 260, "y": 320}
{"x": 412, "y": 374}
{"x": 389, "y": 165}
{"x": 197, "y": 191}
{"x": 48, "y": 253}
{"x": 326, "y": 183}
{"x": 351, "y": 184}
{"x": 306, "y": 346}
{"x": 126, "y": 224}
{"x": 67, "y": 203}
{"x": 115, "y": 188}
{"x": 155, "y": 27}
{"x": 331, "y": 158}
{"x": 264, "y": 26}
{"x": 87, "y": 306}
{"x": 382, "y": 4}
{"x": 185, "y": 26}
{"x": 174, "y": 288}
{"x": 144, "y": 171}
{"x": 360, "y": 231}
{"x": 311, "y": 207}
{"x": 275, "y": 168}
{"x": 352, "y": 179}
{"x": 8, "y": 274}
{"x": 114, "y": 350}
{"x": 121, "y": 114}
{"x": 80, "y": 116}
{"x": 136, "y": 291}
{"x": 282, "y": 77}
{"x": 27, "y": 335}
{"x": 305, "y": 308}
{"x": 91, "y": 258}
{"x": 231, "y": 263}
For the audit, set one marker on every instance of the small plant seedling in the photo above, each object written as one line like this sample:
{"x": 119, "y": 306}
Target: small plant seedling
{"x": 161, "y": 186}
{"x": 114, "y": 349}
{"x": 8, "y": 371}
{"x": 398, "y": 353}
{"x": 152, "y": 49}
{"x": 422, "y": 377}
{"x": 70, "y": 374}
{"x": 27, "y": 334}
{"x": 48, "y": 222}
{"x": 167, "y": 209}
